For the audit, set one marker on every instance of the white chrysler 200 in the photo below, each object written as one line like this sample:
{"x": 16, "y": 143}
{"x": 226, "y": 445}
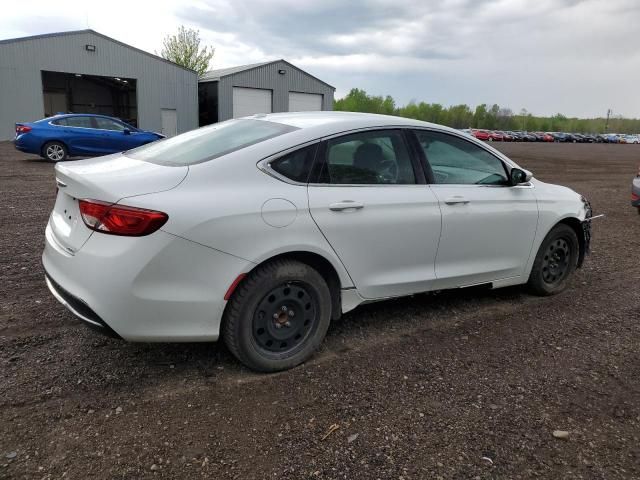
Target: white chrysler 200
{"x": 264, "y": 229}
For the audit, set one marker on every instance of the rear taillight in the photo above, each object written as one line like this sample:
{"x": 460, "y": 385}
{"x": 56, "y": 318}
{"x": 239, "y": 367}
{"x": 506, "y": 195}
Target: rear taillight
{"x": 119, "y": 219}
{"x": 634, "y": 197}
{"x": 22, "y": 129}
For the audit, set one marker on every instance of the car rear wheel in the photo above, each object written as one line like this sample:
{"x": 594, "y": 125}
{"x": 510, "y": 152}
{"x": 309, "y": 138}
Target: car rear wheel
{"x": 278, "y": 316}
{"x": 556, "y": 260}
{"x": 54, "y": 151}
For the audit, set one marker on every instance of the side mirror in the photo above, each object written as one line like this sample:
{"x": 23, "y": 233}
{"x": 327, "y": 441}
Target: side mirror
{"x": 126, "y": 131}
{"x": 519, "y": 176}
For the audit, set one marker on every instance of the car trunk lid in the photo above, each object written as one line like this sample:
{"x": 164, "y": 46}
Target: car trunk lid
{"x": 108, "y": 179}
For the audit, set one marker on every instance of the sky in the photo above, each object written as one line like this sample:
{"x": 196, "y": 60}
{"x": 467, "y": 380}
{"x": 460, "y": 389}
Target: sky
{"x": 576, "y": 57}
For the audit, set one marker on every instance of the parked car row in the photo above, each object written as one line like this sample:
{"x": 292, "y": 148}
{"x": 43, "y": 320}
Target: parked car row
{"x": 518, "y": 136}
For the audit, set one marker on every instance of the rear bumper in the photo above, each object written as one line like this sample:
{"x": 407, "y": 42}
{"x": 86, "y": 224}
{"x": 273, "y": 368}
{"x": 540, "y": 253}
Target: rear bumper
{"x": 20, "y": 143}
{"x": 79, "y": 308}
{"x": 151, "y": 289}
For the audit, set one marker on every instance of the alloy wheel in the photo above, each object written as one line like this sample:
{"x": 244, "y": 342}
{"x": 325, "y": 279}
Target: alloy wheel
{"x": 55, "y": 152}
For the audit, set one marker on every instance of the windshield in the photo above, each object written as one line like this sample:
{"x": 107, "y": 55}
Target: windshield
{"x": 208, "y": 142}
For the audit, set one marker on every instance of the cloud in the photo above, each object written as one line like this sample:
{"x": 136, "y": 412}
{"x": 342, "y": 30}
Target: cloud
{"x": 579, "y": 57}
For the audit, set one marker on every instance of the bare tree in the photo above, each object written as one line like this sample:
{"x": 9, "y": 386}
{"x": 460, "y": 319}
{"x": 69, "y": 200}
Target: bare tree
{"x": 184, "y": 49}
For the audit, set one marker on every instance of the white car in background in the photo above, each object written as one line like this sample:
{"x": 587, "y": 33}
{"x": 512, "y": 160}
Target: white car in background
{"x": 631, "y": 139}
{"x": 264, "y": 229}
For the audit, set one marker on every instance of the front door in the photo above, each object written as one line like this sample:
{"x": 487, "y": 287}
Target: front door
{"x": 488, "y": 226}
{"x": 169, "y": 122}
{"x": 383, "y": 225}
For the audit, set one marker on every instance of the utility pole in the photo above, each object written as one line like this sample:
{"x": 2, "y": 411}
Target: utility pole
{"x": 606, "y": 125}
{"x": 524, "y": 113}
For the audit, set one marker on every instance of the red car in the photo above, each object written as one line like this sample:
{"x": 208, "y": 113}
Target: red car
{"x": 496, "y": 136}
{"x": 480, "y": 134}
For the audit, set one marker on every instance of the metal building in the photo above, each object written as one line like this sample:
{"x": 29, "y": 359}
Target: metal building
{"x": 267, "y": 87}
{"x": 86, "y": 72}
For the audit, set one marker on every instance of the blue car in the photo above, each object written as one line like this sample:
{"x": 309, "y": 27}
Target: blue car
{"x": 56, "y": 138}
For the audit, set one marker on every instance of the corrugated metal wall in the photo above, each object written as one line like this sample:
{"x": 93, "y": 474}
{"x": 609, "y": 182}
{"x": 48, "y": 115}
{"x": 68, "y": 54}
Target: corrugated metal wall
{"x": 160, "y": 84}
{"x": 267, "y": 76}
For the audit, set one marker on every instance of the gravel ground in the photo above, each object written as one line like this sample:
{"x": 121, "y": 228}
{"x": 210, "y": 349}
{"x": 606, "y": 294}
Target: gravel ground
{"x": 423, "y": 387}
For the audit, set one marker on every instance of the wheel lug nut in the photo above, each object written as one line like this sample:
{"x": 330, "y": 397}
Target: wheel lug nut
{"x": 283, "y": 308}
{"x": 287, "y": 324}
{"x": 292, "y": 313}
{"x": 275, "y": 315}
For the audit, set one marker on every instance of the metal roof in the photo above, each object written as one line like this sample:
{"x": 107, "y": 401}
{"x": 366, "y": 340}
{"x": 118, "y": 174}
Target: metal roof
{"x": 215, "y": 75}
{"x": 89, "y": 30}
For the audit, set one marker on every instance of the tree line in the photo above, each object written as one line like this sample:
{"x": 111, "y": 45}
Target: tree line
{"x": 483, "y": 116}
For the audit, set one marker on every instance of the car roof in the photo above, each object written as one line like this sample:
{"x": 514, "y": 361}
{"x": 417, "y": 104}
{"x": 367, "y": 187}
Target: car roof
{"x": 342, "y": 121}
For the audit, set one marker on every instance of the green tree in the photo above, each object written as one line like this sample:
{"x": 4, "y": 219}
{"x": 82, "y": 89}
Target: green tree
{"x": 184, "y": 49}
{"x": 494, "y": 118}
{"x": 480, "y": 115}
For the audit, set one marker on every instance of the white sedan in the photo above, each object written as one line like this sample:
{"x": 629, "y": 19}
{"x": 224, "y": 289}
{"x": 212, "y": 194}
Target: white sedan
{"x": 264, "y": 229}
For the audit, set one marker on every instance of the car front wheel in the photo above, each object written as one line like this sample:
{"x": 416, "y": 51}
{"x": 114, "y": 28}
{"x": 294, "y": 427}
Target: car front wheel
{"x": 54, "y": 152}
{"x": 278, "y": 316}
{"x": 556, "y": 260}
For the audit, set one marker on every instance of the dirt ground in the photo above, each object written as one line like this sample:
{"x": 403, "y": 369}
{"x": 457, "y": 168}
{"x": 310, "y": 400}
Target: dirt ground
{"x": 423, "y": 387}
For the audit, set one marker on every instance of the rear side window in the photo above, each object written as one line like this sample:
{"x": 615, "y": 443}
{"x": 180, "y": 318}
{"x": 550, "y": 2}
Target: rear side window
{"x": 82, "y": 122}
{"x": 296, "y": 165}
{"x": 368, "y": 158}
{"x": 209, "y": 142}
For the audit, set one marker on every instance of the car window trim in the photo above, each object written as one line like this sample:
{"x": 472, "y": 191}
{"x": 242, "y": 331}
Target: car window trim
{"x": 321, "y": 159}
{"x": 505, "y": 165}
{"x": 264, "y": 164}
{"x": 94, "y": 122}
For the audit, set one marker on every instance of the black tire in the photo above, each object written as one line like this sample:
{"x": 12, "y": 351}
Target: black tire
{"x": 55, "y": 151}
{"x": 556, "y": 260}
{"x": 261, "y": 332}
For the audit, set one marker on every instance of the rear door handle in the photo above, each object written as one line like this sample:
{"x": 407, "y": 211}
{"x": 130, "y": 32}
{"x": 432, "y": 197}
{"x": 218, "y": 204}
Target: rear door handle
{"x": 345, "y": 205}
{"x": 456, "y": 199}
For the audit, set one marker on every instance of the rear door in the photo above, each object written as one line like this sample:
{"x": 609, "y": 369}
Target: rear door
{"x": 488, "y": 226}
{"x": 81, "y": 135}
{"x": 371, "y": 203}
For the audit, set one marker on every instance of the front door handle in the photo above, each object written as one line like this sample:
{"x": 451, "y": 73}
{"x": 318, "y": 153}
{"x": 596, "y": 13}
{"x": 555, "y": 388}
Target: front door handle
{"x": 345, "y": 205}
{"x": 456, "y": 199}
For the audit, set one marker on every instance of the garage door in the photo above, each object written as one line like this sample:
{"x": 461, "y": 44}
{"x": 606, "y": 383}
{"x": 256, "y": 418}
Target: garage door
{"x": 304, "y": 102}
{"x": 249, "y": 101}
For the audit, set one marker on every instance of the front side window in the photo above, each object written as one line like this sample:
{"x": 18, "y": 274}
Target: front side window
{"x": 209, "y": 142}
{"x": 368, "y": 158}
{"x": 455, "y": 160}
{"x": 296, "y": 165}
{"x": 107, "y": 124}
{"x": 83, "y": 122}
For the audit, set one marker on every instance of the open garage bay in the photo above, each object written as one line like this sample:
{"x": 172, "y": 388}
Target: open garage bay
{"x": 423, "y": 387}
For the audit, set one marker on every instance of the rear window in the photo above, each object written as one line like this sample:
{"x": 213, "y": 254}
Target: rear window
{"x": 209, "y": 142}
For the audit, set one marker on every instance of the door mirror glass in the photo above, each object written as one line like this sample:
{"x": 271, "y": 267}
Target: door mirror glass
{"x": 519, "y": 176}
{"x": 126, "y": 131}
